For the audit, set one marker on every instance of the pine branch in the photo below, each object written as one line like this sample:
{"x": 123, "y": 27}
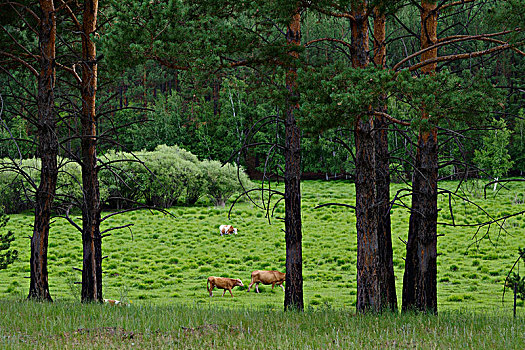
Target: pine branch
{"x": 70, "y": 70}
{"x": 327, "y": 12}
{"x": 459, "y": 38}
{"x": 21, "y": 61}
{"x": 68, "y": 218}
{"x": 25, "y": 8}
{"x": 389, "y": 117}
{"x": 459, "y": 56}
{"x": 342, "y": 42}
{"x": 70, "y": 13}
{"x": 455, "y": 3}
{"x": 35, "y": 57}
{"x": 167, "y": 63}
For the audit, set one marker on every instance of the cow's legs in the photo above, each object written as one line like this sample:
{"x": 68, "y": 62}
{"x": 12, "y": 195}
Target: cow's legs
{"x": 223, "y": 292}
{"x": 281, "y": 287}
{"x": 230, "y": 292}
{"x": 211, "y": 289}
{"x": 250, "y": 286}
{"x": 257, "y": 287}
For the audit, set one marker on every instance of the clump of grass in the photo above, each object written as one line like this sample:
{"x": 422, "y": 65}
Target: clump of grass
{"x": 455, "y": 298}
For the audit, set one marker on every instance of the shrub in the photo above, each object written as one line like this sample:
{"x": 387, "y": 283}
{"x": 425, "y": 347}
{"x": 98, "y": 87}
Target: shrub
{"x": 223, "y": 181}
{"x": 16, "y": 192}
{"x": 123, "y": 178}
{"x": 165, "y": 186}
{"x": 164, "y": 177}
{"x": 69, "y": 184}
{"x": 168, "y": 174}
{"x": 7, "y": 255}
{"x": 456, "y": 298}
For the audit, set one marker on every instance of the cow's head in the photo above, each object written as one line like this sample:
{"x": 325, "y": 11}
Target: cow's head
{"x": 234, "y": 230}
{"x": 239, "y": 283}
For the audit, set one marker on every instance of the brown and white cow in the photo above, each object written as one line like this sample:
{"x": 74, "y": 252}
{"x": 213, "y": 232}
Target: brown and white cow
{"x": 222, "y": 283}
{"x": 267, "y": 277}
{"x": 114, "y": 302}
{"x": 227, "y": 230}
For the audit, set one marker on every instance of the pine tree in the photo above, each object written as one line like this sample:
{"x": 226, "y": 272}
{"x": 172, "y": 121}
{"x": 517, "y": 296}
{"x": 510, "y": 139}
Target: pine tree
{"x": 293, "y": 298}
{"x": 48, "y": 152}
{"x": 91, "y": 237}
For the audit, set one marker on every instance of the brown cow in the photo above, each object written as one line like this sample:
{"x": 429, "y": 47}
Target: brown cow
{"x": 223, "y": 283}
{"x": 267, "y": 277}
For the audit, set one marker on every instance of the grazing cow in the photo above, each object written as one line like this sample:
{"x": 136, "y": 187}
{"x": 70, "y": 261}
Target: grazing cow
{"x": 267, "y": 277}
{"x": 113, "y": 302}
{"x": 227, "y": 230}
{"x": 222, "y": 283}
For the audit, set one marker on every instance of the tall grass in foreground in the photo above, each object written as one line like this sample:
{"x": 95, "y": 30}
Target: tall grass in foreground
{"x": 71, "y": 325}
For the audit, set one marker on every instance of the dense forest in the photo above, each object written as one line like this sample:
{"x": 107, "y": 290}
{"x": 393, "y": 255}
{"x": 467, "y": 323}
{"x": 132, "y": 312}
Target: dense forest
{"x": 370, "y": 91}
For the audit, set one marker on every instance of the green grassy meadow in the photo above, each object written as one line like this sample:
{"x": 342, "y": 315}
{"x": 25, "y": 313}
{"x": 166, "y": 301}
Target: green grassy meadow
{"x": 166, "y": 260}
{"x": 67, "y": 325}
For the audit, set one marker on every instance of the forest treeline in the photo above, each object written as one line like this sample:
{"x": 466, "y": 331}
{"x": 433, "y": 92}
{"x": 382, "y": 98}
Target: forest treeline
{"x": 370, "y": 90}
{"x": 210, "y": 115}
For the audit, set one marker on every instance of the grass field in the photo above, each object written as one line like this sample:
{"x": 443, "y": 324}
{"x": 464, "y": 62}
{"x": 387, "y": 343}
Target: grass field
{"x": 67, "y": 325}
{"x": 165, "y": 260}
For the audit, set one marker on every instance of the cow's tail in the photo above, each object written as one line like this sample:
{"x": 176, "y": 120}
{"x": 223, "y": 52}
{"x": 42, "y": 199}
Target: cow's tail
{"x": 208, "y": 284}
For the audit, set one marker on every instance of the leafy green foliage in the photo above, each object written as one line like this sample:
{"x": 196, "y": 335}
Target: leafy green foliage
{"x": 509, "y": 14}
{"x": 176, "y": 172}
{"x": 17, "y": 128}
{"x": 493, "y": 155}
{"x": 7, "y": 255}
{"x": 336, "y": 96}
{"x": 130, "y": 37}
{"x": 163, "y": 176}
{"x": 222, "y": 181}
{"x": 15, "y": 189}
{"x": 517, "y": 144}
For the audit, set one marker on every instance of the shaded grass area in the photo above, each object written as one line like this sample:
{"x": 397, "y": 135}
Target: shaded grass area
{"x": 166, "y": 260}
{"x": 71, "y": 325}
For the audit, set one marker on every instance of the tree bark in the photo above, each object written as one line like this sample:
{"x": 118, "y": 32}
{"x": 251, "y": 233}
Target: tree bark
{"x": 420, "y": 278}
{"x": 386, "y": 264}
{"x": 368, "y": 269}
{"x": 48, "y": 152}
{"x": 91, "y": 239}
{"x": 293, "y": 298}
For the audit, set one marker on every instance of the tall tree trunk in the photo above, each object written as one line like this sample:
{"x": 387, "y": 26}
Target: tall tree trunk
{"x": 420, "y": 279}
{"x": 48, "y": 151}
{"x": 91, "y": 240}
{"x": 368, "y": 283}
{"x": 386, "y": 264}
{"x": 293, "y": 297}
